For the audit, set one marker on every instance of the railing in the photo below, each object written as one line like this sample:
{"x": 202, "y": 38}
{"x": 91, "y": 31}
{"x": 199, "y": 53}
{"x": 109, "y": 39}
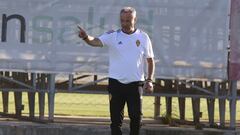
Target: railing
{"x": 51, "y": 84}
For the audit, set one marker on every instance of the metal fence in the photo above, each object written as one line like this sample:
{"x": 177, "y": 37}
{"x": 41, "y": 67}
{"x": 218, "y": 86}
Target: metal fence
{"x": 82, "y": 95}
{"x": 96, "y": 105}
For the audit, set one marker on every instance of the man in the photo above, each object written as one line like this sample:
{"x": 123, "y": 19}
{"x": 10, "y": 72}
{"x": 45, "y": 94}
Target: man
{"x": 129, "y": 49}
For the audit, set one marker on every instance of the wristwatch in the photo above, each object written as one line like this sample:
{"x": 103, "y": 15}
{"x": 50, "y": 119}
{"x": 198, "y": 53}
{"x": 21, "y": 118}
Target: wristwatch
{"x": 149, "y": 80}
{"x": 84, "y": 38}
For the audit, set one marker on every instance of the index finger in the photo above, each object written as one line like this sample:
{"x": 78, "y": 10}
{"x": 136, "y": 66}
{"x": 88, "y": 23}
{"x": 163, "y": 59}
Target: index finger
{"x": 79, "y": 27}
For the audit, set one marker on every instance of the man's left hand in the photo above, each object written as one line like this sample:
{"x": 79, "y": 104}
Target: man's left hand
{"x": 148, "y": 87}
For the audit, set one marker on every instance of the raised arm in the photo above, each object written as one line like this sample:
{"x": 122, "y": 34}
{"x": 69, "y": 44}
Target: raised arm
{"x": 90, "y": 40}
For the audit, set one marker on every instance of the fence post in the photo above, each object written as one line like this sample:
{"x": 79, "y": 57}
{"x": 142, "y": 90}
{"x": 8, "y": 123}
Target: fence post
{"x": 233, "y": 101}
{"x": 17, "y": 95}
{"x": 51, "y": 96}
{"x": 196, "y": 106}
{"x": 41, "y": 95}
{"x": 181, "y": 101}
{"x": 210, "y": 105}
{"x": 31, "y": 96}
{"x": 157, "y": 101}
{"x": 157, "y": 104}
{"x": 168, "y": 86}
{"x": 70, "y": 82}
{"x": 222, "y": 104}
{"x": 5, "y": 94}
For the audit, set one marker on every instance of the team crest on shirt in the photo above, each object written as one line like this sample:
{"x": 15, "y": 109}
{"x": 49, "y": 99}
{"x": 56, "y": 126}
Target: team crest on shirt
{"x": 138, "y": 43}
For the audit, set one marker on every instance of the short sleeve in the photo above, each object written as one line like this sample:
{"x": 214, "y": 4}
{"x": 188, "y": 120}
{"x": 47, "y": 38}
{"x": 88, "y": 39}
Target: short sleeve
{"x": 148, "y": 48}
{"x": 107, "y": 38}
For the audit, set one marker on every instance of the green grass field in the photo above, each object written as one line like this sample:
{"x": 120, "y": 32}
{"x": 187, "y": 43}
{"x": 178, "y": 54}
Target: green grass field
{"x": 97, "y": 106}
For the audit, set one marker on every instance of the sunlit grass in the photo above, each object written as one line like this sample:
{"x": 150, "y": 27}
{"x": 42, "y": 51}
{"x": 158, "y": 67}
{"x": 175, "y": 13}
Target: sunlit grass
{"x": 70, "y": 104}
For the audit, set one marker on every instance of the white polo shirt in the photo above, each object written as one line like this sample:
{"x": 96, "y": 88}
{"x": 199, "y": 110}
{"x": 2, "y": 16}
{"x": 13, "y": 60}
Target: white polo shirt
{"x": 127, "y": 54}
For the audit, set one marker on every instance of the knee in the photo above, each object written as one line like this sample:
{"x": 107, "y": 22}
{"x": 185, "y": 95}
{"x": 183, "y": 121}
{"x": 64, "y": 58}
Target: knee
{"x": 136, "y": 117}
